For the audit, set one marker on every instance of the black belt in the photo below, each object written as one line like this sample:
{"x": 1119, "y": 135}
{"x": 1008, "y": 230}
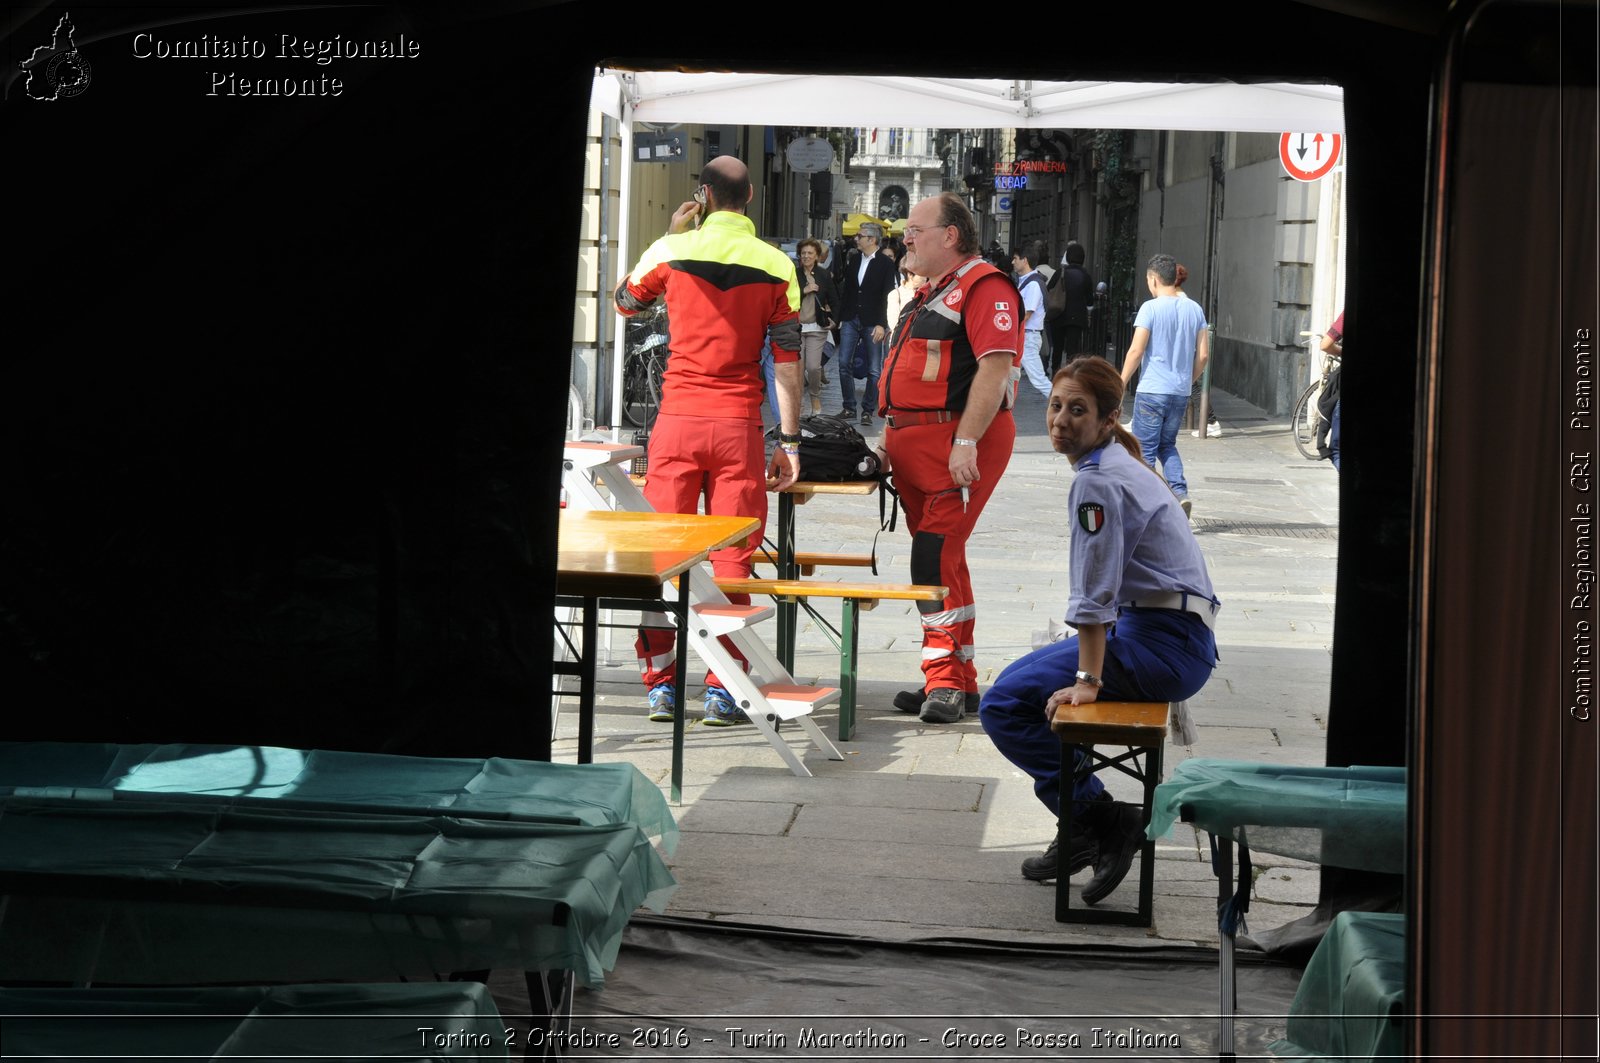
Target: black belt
{"x": 907, "y": 418}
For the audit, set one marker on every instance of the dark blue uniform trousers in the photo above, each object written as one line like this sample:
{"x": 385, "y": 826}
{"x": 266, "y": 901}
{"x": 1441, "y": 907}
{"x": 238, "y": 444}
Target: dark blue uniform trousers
{"x": 1151, "y": 655}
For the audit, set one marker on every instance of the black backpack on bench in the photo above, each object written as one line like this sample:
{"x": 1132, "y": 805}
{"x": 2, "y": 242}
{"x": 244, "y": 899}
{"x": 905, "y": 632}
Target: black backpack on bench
{"x": 832, "y": 450}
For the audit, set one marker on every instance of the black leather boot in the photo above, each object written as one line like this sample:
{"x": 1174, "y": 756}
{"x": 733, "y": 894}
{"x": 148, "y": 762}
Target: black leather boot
{"x": 1085, "y": 847}
{"x": 1119, "y": 841}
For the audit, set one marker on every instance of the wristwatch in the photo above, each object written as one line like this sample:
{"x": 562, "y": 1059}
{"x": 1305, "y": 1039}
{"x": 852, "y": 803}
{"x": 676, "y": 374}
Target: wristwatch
{"x": 785, "y": 437}
{"x": 1090, "y": 678}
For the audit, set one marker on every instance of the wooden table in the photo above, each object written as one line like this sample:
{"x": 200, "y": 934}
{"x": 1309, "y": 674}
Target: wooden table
{"x": 310, "y": 794}
{"x": 322, "y": 780}
{"x": 612, "y": 554}
{"x": 1335, "y": 816}
{"x": 797, "y": 494}
{"x": 166, "y": 891}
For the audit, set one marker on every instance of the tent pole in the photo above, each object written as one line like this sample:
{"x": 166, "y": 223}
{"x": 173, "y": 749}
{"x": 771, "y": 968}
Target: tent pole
{"x": 625, "y": 255}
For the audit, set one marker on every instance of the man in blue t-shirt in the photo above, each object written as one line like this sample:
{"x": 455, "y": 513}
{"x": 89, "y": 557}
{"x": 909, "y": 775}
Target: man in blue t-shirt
{"x": 1171, "y": 345}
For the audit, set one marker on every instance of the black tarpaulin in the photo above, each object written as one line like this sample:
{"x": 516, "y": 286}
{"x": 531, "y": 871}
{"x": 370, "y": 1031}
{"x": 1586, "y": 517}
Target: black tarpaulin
{"x": 692, "y": 989}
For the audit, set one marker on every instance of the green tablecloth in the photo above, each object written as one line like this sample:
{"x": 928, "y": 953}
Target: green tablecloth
{"x": 301, "y": 1022}
{"x": 518, "y": 789}
{"x": 148, "y": 892}
{"x": 1343, "y": 817}
{"x": 1350, "y": 1001}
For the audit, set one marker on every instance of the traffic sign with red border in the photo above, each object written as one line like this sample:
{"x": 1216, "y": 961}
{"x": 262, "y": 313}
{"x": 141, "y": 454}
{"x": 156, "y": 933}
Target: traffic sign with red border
{"x": 1309, "y": 156}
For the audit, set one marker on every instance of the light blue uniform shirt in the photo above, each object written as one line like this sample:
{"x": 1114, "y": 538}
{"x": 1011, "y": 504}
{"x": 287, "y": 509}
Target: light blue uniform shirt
{"x": 1130, "y": 539}
{"x": 1175, "y": 323}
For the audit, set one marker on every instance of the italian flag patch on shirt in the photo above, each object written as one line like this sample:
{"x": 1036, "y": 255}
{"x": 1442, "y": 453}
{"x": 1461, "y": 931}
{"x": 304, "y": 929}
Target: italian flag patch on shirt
{"x": 1091, "y": 516}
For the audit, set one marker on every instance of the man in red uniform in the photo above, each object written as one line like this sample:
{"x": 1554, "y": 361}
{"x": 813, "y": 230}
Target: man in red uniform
{"x": 725, "y": 290}
{"x": 948, "y": 384}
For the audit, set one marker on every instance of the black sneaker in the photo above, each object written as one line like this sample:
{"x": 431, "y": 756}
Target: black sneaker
{"x": 1119, "y": 842}
{"x": 1045, "y": 866}
{"x": 944, "y": 705}
{"x": 911, "y": 701}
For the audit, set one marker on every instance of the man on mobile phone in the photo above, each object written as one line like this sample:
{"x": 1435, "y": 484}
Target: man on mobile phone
{"x": 864, "y": 321}
{"x": 725, "y": 290}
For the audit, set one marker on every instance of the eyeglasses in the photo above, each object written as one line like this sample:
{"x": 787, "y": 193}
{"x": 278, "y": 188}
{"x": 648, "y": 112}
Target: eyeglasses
{"x": 915, "y": 231}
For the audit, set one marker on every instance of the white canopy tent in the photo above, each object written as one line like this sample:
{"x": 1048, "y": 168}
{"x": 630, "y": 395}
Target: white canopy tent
{"x": 841, "y": 100}
{"x": 950, "y": 103}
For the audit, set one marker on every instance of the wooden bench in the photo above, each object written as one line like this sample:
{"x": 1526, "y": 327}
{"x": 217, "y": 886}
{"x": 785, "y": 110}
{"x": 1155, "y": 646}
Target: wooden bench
{"x": 855, "y": 598}
{"x": 810, "y": 561}
{"x": 1140, "y": 727}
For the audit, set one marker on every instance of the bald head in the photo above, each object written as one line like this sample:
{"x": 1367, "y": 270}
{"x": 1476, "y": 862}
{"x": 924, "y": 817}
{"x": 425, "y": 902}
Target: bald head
{"x": 729, "y": 182}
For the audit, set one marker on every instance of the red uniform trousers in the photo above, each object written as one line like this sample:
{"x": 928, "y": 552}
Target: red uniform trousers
{"x": 724, "y": 460}
{"x": 919, "y": 457}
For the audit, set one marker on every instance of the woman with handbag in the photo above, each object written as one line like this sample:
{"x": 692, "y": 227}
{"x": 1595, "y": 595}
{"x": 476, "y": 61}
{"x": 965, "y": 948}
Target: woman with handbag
{"x": 818, "y": 297}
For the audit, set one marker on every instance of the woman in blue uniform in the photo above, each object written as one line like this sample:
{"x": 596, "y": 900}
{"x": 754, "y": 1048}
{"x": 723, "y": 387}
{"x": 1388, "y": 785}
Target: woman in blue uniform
{"x": 1143, "y": 606}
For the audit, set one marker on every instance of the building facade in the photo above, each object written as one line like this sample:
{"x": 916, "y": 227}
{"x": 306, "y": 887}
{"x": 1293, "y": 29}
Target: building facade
{"x": 1265, "y": 253}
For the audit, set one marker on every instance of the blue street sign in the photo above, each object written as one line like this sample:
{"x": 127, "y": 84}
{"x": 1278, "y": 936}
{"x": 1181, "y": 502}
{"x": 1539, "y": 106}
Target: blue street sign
{"x": 1002, "y": 205}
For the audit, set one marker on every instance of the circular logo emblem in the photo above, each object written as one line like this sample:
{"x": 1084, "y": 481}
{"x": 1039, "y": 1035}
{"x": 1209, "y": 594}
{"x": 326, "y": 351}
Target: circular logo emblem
{"x": 1002, "y": 321}
{"x": 953, "y": 299}
{"x": 68, "y": 74}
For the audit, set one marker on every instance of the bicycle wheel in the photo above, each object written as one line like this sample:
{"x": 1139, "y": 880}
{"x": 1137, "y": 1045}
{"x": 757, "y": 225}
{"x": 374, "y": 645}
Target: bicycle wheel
{"x": 636, "y": 401}
{"x": 1306, "y": 421}
{"x": 655, "y": 369}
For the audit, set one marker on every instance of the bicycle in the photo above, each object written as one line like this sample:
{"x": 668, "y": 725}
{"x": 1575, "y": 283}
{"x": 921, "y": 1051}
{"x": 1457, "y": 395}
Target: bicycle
{"x": 1306, "y": 424}
{"x": 644, "y": 366}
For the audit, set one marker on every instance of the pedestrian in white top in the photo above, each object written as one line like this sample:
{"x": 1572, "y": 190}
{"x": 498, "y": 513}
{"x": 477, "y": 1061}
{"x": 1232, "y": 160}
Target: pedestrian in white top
{"x": 1030, "y": 282}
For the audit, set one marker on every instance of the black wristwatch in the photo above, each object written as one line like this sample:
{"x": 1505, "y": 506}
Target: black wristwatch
{"x": 785, "y": 437}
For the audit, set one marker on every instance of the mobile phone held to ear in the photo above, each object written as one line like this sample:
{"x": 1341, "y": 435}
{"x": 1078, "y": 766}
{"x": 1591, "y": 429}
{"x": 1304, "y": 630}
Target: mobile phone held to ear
{"x": 700, "y": 198}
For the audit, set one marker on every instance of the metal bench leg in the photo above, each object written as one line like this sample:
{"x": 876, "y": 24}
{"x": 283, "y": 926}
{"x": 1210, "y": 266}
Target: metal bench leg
{"x": 586, "y": 680}
{"x": 679, "y": 681}
{"x": 1228, "y": 983}
{"x": 1068, "y": 780}
{"x": 550, "y": 1002}
{"x": 1148, "y": 776}
{"x": 788, "y": 611}
{"x": 1147, "y": 852}
{"x": 849, "y": 643}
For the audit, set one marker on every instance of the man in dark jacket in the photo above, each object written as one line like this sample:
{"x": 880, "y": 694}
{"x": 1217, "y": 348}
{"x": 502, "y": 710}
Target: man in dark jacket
{"x": 1073, "y": 290}
{"x": 864, "y": 320}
